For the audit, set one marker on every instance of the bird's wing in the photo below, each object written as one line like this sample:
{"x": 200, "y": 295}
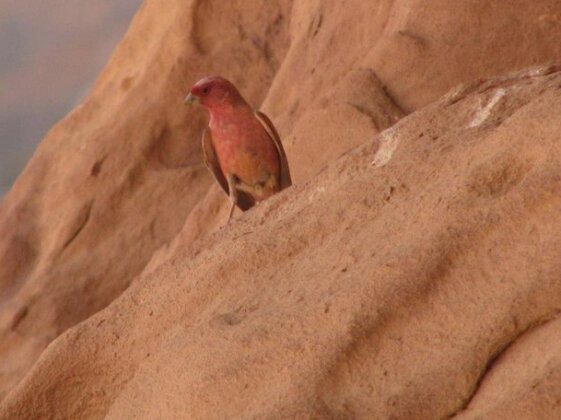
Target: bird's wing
{"x": 285, "y": 179}
{"x": 211, "y": 161}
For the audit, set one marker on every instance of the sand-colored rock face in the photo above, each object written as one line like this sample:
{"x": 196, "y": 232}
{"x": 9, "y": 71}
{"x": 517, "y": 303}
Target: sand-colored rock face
{"x": 417, "y": 276}
{"x": 419, "y": 270}
{"x": 116, "y": 179}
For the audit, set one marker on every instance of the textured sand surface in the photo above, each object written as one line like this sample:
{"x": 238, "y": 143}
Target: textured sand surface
{"x": 411, "y": 272}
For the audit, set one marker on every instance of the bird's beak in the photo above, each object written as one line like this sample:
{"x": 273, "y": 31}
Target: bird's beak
{"x": 192, "y": 100}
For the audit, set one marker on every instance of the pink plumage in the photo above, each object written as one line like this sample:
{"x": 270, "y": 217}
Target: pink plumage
{"x": 241, "y": 146}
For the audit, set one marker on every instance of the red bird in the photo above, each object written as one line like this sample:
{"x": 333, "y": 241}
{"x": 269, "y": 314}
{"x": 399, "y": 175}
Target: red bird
{"x": 240, "y": 145}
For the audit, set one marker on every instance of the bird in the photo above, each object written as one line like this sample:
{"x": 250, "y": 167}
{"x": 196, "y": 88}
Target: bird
{"x": 241, "y": 146}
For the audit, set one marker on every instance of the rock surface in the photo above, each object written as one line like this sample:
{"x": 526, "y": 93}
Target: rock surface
{"x": 416, "y": 276}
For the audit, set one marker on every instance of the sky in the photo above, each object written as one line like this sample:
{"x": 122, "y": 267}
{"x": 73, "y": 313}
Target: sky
{"x": 50, "y": 54}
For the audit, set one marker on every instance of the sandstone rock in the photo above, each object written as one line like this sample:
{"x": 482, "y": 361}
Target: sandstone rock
{"x": 409, "y": 278}
{"x": 115, "y": 180}
{"x": 417, "y": 270}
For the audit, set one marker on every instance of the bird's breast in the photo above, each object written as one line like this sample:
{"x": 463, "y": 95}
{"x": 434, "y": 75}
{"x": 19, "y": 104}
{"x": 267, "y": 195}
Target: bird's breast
{"x": 245, "y": 149}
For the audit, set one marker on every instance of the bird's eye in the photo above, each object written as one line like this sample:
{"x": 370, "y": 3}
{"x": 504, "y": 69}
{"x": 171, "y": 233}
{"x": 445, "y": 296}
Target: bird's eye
{"x": 206, "y": 90}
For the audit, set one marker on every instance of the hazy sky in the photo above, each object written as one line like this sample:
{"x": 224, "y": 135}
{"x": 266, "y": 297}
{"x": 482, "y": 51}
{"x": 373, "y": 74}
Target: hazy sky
{"x": 50, "y": 53}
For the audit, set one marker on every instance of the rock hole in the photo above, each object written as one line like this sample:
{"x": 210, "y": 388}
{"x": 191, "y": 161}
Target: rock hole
{"x": 126, "y": 83}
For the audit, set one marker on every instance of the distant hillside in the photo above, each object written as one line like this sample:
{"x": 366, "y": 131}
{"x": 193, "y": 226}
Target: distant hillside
{"x": 50, "y": 54}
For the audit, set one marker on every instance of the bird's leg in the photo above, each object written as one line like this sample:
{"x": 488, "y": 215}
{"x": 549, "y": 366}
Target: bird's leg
{"x": 232, "y": 188}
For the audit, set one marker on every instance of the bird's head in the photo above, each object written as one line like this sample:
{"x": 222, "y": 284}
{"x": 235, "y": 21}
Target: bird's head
{"x": 214, "y": 93}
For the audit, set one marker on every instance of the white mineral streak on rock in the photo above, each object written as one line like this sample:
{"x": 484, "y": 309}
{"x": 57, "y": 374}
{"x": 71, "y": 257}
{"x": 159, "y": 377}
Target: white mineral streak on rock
{"x": 389, "y": 141}
{"x": 484, "y": 113}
